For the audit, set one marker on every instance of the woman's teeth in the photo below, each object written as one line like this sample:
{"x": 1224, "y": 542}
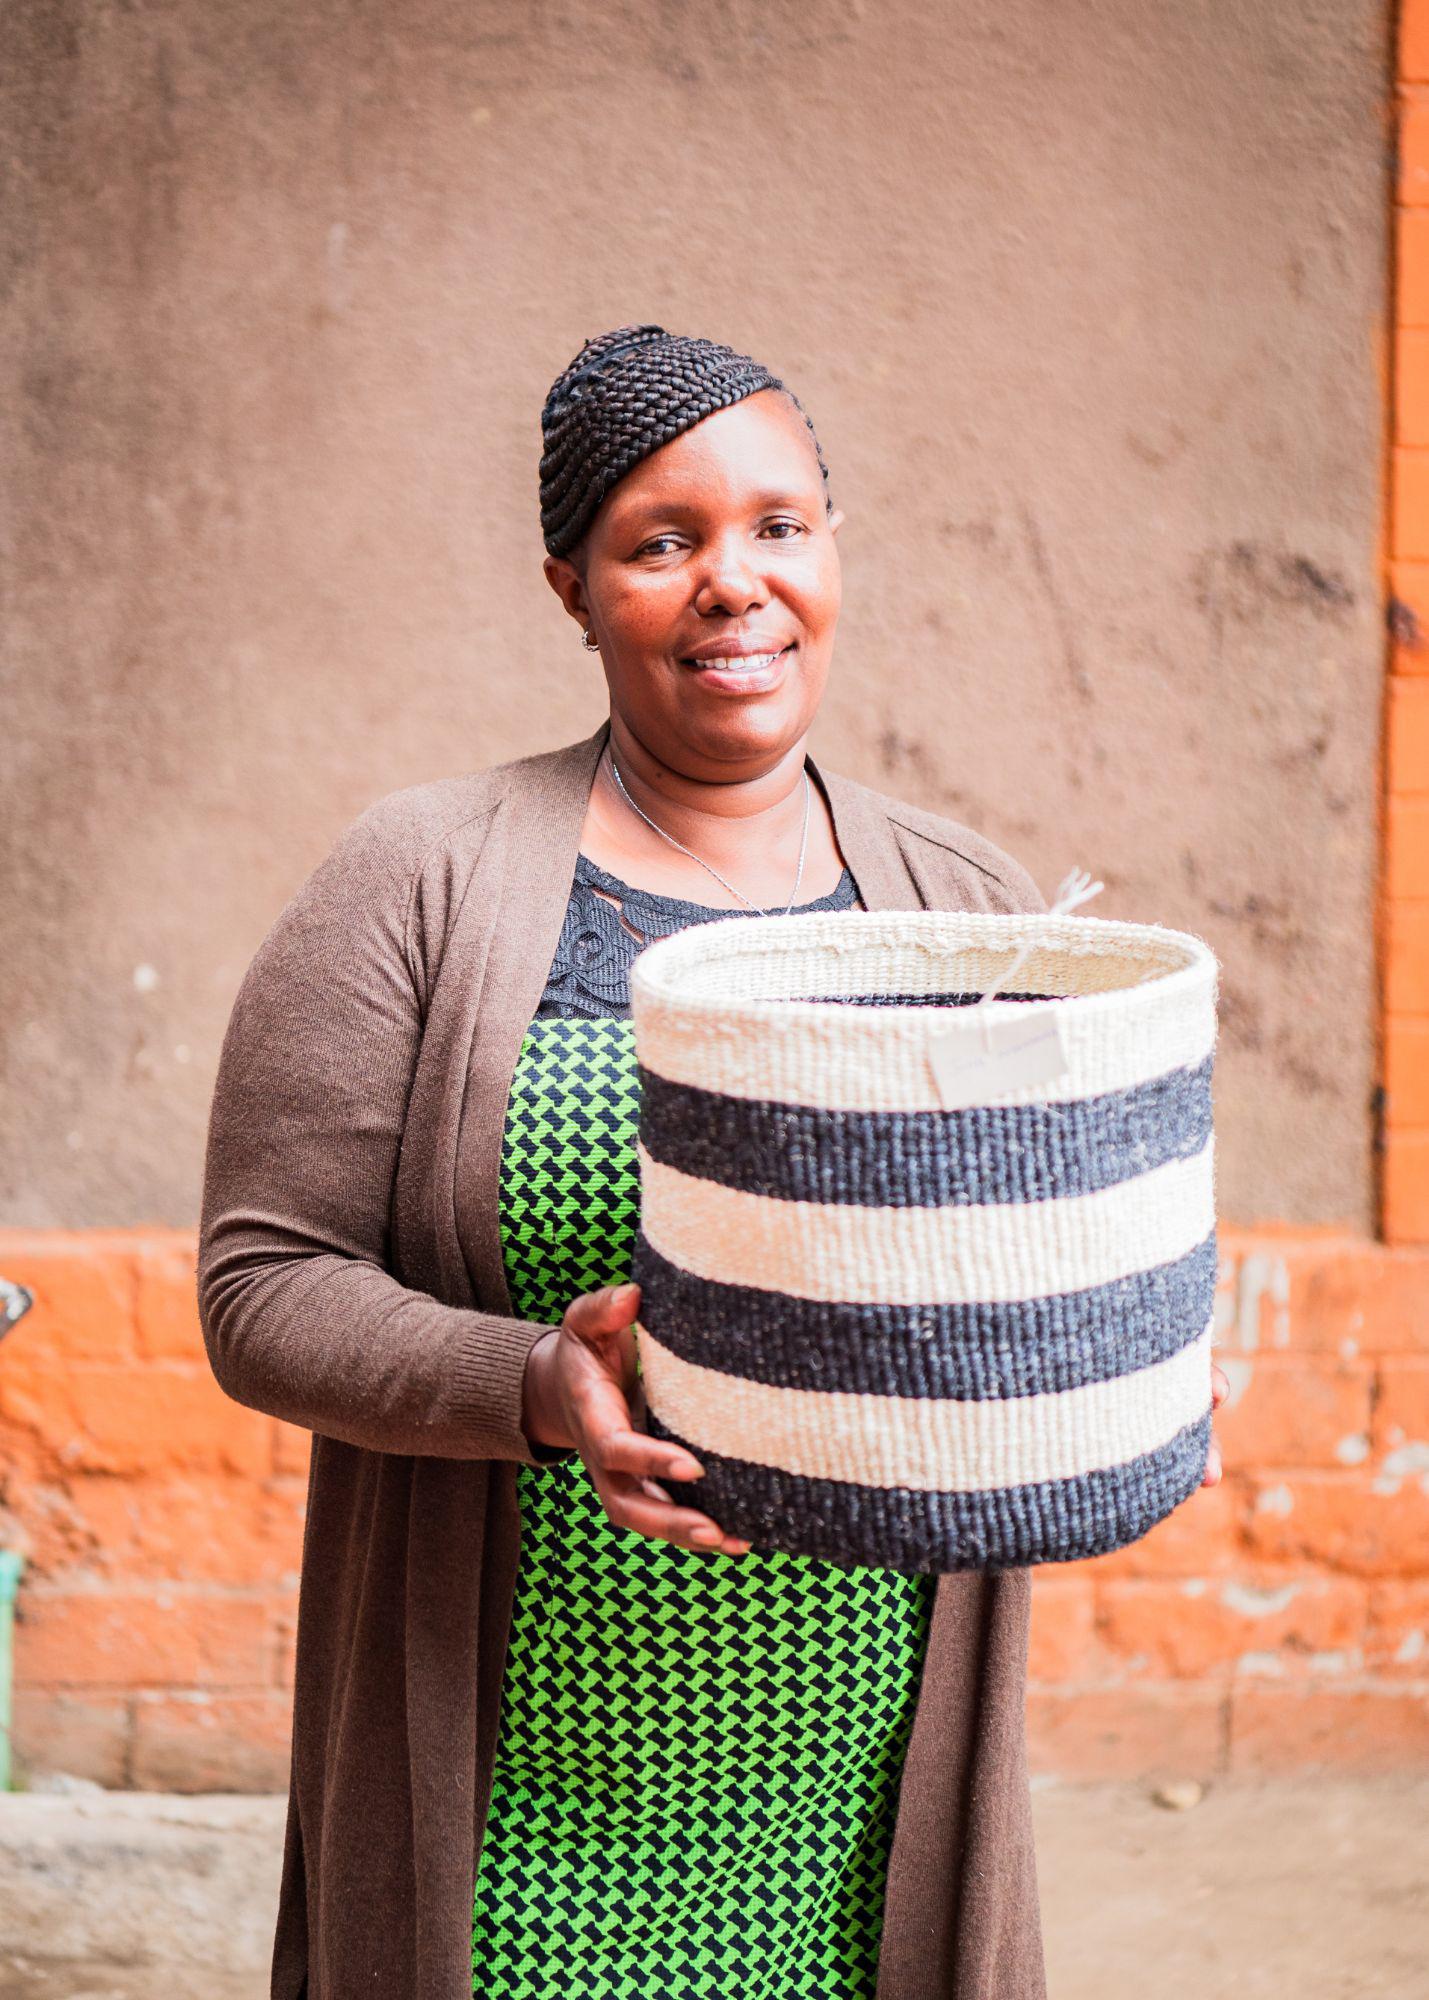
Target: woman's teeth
{"x": 747, "y": 663}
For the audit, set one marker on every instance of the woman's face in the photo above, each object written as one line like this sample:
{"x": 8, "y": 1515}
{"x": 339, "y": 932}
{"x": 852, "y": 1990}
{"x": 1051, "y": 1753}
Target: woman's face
{"x": 710, "y": 577}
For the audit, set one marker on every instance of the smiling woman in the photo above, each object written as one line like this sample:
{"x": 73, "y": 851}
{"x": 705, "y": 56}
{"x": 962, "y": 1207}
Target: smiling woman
{"x": 554, "y": 1730}
{"x": 707, "y": 577}
{"x": 661, "y": 1784}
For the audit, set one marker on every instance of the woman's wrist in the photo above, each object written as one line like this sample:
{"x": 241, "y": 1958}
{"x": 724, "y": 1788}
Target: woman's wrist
{"x": 539, "y": 1415}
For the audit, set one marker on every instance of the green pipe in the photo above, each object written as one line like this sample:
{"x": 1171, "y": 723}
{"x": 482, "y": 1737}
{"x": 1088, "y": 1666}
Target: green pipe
{"x": 11, "y": 1564}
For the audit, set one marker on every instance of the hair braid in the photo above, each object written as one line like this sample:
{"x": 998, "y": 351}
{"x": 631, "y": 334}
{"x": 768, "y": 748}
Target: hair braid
{"x": 626, "y": 393}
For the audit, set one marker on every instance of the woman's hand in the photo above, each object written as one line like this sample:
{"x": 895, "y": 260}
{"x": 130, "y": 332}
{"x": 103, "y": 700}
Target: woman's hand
{"x": 581, "y": 1380}
{"x": 1220, "y": 1389}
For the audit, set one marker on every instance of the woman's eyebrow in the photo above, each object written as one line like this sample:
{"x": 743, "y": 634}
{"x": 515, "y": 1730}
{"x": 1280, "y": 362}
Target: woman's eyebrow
{"x": 762, "y": 502}
{"x": 778, "y": 496}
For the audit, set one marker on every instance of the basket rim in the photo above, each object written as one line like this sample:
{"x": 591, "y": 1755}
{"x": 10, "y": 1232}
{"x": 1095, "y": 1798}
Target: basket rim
{"x": 654, "y": 973}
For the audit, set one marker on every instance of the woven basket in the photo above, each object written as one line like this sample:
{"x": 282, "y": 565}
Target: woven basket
{"x": 912, "y": 1324}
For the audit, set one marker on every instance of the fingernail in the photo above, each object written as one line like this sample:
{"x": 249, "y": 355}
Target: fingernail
{"x": 685, "y": 1468}
{"x": 705, "y": 1536}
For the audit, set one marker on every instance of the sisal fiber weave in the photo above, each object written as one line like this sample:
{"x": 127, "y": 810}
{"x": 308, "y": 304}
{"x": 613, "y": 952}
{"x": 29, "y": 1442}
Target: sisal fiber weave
{"x": 900, "y": 1333}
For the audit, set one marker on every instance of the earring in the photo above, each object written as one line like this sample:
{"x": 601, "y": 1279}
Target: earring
{"x": 589, "y": 641}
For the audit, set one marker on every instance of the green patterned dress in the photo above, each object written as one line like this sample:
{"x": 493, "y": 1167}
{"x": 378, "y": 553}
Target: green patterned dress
{"x": 699, "y": 1756}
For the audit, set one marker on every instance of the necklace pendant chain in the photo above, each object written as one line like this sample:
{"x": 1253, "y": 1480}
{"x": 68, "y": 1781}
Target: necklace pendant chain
{"x": 711, "y": 870}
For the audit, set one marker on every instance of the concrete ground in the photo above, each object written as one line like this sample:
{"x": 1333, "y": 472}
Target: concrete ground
{"x": 1312, "y": 1890}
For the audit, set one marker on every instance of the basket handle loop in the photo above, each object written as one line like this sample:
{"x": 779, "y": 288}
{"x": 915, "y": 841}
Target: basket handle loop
{"x": 1075, "y": 888}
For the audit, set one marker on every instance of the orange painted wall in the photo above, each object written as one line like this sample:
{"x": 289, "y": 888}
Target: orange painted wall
{"x": 161, "y": 1524}
{"x": 1276, "y": 1621}
{"x": 1405, "y": 1181}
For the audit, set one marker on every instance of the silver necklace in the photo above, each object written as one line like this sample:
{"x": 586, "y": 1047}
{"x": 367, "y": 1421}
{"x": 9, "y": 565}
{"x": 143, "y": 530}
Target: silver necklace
{"x": 803, "y": 844}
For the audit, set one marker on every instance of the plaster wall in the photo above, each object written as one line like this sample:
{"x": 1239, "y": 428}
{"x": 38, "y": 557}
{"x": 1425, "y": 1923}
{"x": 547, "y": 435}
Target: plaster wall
{"x": 1087, "y": 301}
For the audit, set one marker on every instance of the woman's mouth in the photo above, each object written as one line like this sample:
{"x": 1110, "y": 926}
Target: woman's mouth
{"x": 741, "y": 673}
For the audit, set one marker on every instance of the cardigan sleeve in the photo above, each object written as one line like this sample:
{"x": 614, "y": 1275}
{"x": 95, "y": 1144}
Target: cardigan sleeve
{"x": 301, "y": 1316}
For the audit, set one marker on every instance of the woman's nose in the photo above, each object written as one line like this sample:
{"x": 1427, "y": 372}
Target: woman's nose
{"x": 732, "y": 582}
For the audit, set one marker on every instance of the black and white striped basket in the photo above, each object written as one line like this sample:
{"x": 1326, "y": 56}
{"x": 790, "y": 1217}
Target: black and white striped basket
{"x": 915, "y": 1324}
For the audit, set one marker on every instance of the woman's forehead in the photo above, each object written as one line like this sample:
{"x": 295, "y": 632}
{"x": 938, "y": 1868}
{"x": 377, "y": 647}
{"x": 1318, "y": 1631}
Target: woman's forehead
{"x": 761, "y": 444}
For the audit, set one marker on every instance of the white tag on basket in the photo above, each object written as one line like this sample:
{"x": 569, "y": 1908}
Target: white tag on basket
{"x": 980, "y": 1058}
{"x": 971, "y": 1067}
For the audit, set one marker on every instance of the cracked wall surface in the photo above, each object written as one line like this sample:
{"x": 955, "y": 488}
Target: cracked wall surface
{"x": 1088, "y": 306}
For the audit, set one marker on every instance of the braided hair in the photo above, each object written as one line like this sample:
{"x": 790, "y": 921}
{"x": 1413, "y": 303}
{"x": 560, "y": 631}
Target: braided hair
{"x": 626, "y": 393}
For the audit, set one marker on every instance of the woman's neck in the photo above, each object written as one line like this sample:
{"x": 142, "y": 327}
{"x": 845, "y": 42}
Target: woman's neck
{"x": 749, "y": 831}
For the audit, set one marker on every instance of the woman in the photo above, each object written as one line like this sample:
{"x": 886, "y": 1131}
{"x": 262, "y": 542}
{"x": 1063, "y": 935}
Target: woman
{"x": 555, "y": 1732}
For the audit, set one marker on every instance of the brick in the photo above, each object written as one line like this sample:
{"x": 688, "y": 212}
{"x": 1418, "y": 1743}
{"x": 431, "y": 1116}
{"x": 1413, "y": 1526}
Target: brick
{"x": 1411, "y": 499}
{"x": 1063, "y": 1645}
{"x": 1397, "y": 1637}
{"x": 1275, "y": 1730}
{"x": 292, "y": 1450}
{"x": 141, "y": 1418}
{"x": 1406, "y": 873}
{"x": 84, "y": 1297}
{"x": 35, "y": 1399}
{"x": 1414, "y": 151}
{"x": 1405, "y": 1187}
{"x": 1141, "y": 1731}
{"x": 1293, "y": 1410}
{"x": 133, "y": 1418}
{"x": 1373, "y": 1523}
{"x": 1087, "y": 1569}
{"x": 1411, "y": 388}
{"x": 1401, "y": 1411}
{"x": 1409, "y": 617}
{"x": 284, "y": 1641}
{"x": 1407, "y": 745}
{"x": 213, "y": 1528}
{"x": 1414, "y": 41}
{"x": 154, "y": 1638}
{"x": 1412, "y": 273}
{"x": 212, "y": 1743}
{"x": 1201, "y": 1627}
{"x": 1198, "y": 1539}
{"x": 167, "y": 1303}
{"x": 1406, "y": 1073}
{"x": 1406, "y": 968}
{"x": 42, "y": 1527}
{"x": 1252, "y": 1306}
{"x": 86, "y": 1736}
{"x": 1359, "y": 1298}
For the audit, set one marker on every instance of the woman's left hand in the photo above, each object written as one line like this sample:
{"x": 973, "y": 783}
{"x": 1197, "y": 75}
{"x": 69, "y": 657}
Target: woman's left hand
{"x": 1220, "y": 1389}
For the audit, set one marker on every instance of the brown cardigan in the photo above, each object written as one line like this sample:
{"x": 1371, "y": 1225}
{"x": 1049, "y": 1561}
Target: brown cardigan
{"x": 363, "y": 1081}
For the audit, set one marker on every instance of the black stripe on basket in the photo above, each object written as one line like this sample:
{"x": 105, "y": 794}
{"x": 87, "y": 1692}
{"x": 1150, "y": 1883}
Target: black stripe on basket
{"x": 968, "y": 1352}
{"x": 917, "y": 999}
{"x": 990, "y": 1153}
{"x": 1060, "y": 1520}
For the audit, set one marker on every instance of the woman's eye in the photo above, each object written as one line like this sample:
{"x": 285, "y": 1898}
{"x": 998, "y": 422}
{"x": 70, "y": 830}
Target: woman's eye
{"x": 789, "y": 528}
{"x": 658, "y": 545}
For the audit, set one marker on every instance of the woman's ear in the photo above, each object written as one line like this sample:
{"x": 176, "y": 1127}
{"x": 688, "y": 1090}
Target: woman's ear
{"x": 836, "y": 520}
{"x": 569, "y": 585}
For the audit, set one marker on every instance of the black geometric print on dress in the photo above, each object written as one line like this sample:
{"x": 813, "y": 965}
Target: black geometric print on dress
{"x": 569, "y": 1198}
{"x": 699, "y": 1756}
{"x": 608, "y": 924}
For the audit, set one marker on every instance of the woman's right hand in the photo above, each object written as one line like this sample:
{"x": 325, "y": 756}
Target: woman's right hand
{"x": 581, "y": 1380}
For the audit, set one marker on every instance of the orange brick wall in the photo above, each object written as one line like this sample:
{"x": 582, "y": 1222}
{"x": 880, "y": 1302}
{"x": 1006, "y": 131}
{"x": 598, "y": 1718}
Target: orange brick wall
{"x": 1276, "y": 1621}
{"x": 1279, "y": 1620}
{"x": 161, "y": 1524}
{"x": 1405, "y": 1191}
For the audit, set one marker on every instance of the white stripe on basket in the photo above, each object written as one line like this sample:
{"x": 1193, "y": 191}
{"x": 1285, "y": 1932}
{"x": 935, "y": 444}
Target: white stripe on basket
{"x": 928, "y": 1256}
{"x": 846, "y": 1057}
{"x": 930, "y": 1446}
